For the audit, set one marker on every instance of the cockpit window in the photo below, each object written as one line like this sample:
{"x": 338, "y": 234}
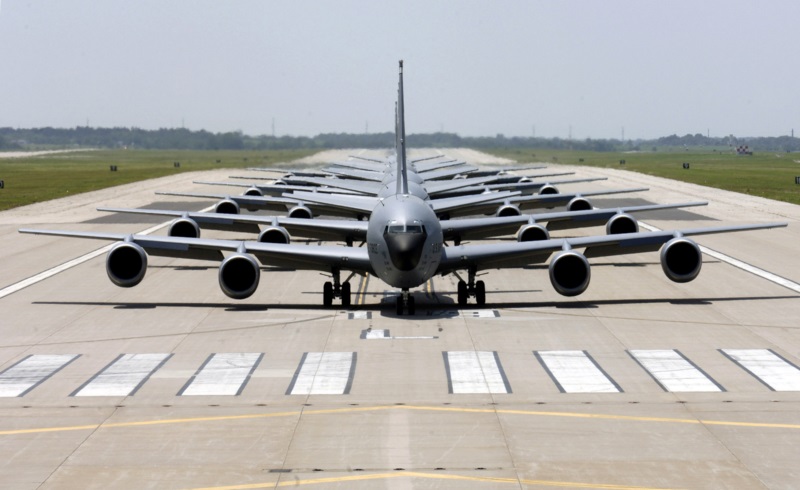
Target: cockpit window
{"x": 404, "y": 228}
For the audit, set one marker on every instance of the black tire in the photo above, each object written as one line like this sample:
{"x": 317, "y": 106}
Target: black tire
{"x": 462, "y": 293}
{"x": 480, "y": 292}
{"x": 399, "y": 306}
{"x": 411, "y": 305}
{"x": 346, "y": 294}
{"x": 327, "y": 294}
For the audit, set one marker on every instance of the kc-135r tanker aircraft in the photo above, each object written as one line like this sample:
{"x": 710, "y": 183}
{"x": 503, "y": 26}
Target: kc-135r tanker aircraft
{"x": 405, "y": 246}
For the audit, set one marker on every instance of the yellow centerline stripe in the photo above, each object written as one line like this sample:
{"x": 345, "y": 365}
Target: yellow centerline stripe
{"x": 432, "y": 476}
{"x": 224, "y": 418}
{"x": 362, "y": 290}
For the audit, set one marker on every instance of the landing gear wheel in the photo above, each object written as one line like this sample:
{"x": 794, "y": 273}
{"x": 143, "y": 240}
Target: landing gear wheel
{"x": 327, "y": 294}
{"x": 480, "y": 292}
{"x": 410, "y": 304}
{"x": 399, "y": 306}
{"x": 346, "y": 294}
{"x": 462, "y": 293}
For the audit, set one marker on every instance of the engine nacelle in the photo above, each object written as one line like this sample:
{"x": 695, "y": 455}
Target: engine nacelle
{"x": 184, "y": 227}
{"x": 300, "y": 211}
{"x": 126, "y": 264}
{"x": 532, "y": 233}
{"x": 254, "y": 191}
{"x": 681, "y": 259}
{"x": 508, "y": 210}
{"x": 579, "y": 204}
{"x": 227, "y": 206}
{"x": 274, "y": 234}
{"x": 238, "y": 275}
{"x": 622, "y": 223}
{"x": 279, "y": 182}
{"x": 570, "y": 273}
{"x": 548, "y": 189}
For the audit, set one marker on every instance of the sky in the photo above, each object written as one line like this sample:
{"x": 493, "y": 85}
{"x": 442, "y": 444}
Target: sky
{"x": 580, "y": 69}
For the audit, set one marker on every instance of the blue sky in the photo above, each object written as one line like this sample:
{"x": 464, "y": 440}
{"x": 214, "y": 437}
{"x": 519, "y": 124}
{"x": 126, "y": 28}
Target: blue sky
{"x": 474, "y": 68}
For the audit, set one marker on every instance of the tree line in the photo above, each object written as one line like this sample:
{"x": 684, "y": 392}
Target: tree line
{"x": 184, "y": 139}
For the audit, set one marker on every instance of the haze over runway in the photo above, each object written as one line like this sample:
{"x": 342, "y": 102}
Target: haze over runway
{"x": 553, "y": 69}
{"x": 639, "y": 382}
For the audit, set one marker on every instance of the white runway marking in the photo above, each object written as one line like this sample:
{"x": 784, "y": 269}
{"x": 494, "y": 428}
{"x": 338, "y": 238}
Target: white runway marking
{"x": 324, "y": 373}
{"x": 76, "y": 261}
{"x": 222, "y": 374}
{"x": 574, "y": 371}
{"x": 769, "y": 276}
{"x": 124, "y": 376}
{"x": 673, "y": 371}
{"x": 471, "y": 372}
{"x": 769, "y": 368}
{"x": 31, "y": 371}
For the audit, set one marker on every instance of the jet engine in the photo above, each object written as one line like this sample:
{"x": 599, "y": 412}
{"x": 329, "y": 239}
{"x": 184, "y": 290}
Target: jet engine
{"x": 532, "y": 232}
{"x": 227, "y": 206}
{"x": 238, "y": 275}
{"x": 254, "y": 191}
{"x": 274, "y": 234}
{"x": 622, "y": 223}
{"x": 184, "y": 227}
{"x": 300, "y": 211}
{"x": 570, "y": 273}
{"x": 681, "y": 259}
{"x": 579, "y": 204}
{"x": 508, "y": 210}
{"x": 548, "y": 189}
{"x": 126, "y": 264}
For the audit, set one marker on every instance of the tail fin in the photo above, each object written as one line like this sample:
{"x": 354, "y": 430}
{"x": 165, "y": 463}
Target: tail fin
{"x": 402, "y": 180}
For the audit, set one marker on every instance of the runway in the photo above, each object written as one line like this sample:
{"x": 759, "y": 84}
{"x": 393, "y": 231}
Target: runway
{"x": 637, "y": 383}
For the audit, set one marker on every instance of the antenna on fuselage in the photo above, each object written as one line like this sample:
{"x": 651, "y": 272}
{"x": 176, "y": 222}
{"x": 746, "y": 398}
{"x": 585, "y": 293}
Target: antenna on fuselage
{"x": 402, "y": 181}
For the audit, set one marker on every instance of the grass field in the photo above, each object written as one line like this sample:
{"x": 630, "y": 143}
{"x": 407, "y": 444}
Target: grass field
{"x": 35, "y": 179}
{"x": 769, "y": 174}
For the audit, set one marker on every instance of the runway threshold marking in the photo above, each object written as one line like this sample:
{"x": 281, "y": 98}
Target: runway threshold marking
{"x": 421, "y": 408}
{"x": 428, "y": 476}
{"x": 772, "y": 370}
{"x": 674, "y": 372}
{"x": 30, "y": 372}
{"x": 575, "y": 371}
{"x": 475, "y": 372}
{"x": 124, "y": 376}
{"x": 223, "y": 374}
{"x": 324, "y": 373}
{"x": 76, "y": 261}
{"x": 769, "y": 276}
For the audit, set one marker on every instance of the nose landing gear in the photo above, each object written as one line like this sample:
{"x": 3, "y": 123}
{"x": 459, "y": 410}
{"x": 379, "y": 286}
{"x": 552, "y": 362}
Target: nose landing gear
{"x": 405, "y": 300}
{"x": 471, "y": 287}
{"x": 336, "y": 289}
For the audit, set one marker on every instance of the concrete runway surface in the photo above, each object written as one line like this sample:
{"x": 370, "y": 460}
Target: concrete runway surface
{"x": 637, "y": 383}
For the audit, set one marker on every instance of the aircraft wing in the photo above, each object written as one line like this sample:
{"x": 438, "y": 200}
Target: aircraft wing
{"x": 322, "y": 258}
{"x": 445, "y": 173}
{"x": 360, "y": 186}
{"x": 276, "y": 189}
{"x": 450, "y": 204}
{"x": 275, "y": 204}
{"x": 355, "y": 204}
{"x": 323, "y": 229}
{"x": 519, "y": 254}
{"x": 368, "y": 166}
{"x": 349, "y": 173}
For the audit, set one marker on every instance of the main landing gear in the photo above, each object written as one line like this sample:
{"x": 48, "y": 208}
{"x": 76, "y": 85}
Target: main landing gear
{"x": 336, "y": 289}
{"x": 471, "y": 287}
{"x": 405, "y": 300}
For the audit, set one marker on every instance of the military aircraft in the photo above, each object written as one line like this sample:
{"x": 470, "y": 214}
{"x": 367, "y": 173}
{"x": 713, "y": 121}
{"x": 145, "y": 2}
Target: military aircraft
{"x": 405, "y": 248}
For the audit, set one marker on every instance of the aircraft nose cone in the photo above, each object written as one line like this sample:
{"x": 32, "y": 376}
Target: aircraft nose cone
{"x": 405, "y": 249}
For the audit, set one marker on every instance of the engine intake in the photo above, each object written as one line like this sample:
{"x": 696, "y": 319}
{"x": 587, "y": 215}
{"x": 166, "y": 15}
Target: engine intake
{"x": 227, "y": 206}
{"x": 681, "y": 259}
{"x": 579, "y": 204}
{"x": 622, "y": 223}
{"x": 184, "y": 227}
{"x": 570, "y": 273}
{"x": 126, "y": 264}
{"x": 239, "y": 275}
{"x": 254, "y": 191}
{"x": 548, "y": 189}
{"x": 532, "y": 232}
{"x": 300, "y": 211}
{"x": 274, "y": 234}
{"x": 508, "y": 210}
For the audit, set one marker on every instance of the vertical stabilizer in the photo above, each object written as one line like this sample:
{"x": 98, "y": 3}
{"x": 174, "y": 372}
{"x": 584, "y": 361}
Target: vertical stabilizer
{"x": 402, "y": 181}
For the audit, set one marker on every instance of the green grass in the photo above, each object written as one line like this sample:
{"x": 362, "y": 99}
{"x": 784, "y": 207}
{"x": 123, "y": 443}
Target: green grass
{"x": 36, "y": 179}
{"x": 769, "y": 174}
